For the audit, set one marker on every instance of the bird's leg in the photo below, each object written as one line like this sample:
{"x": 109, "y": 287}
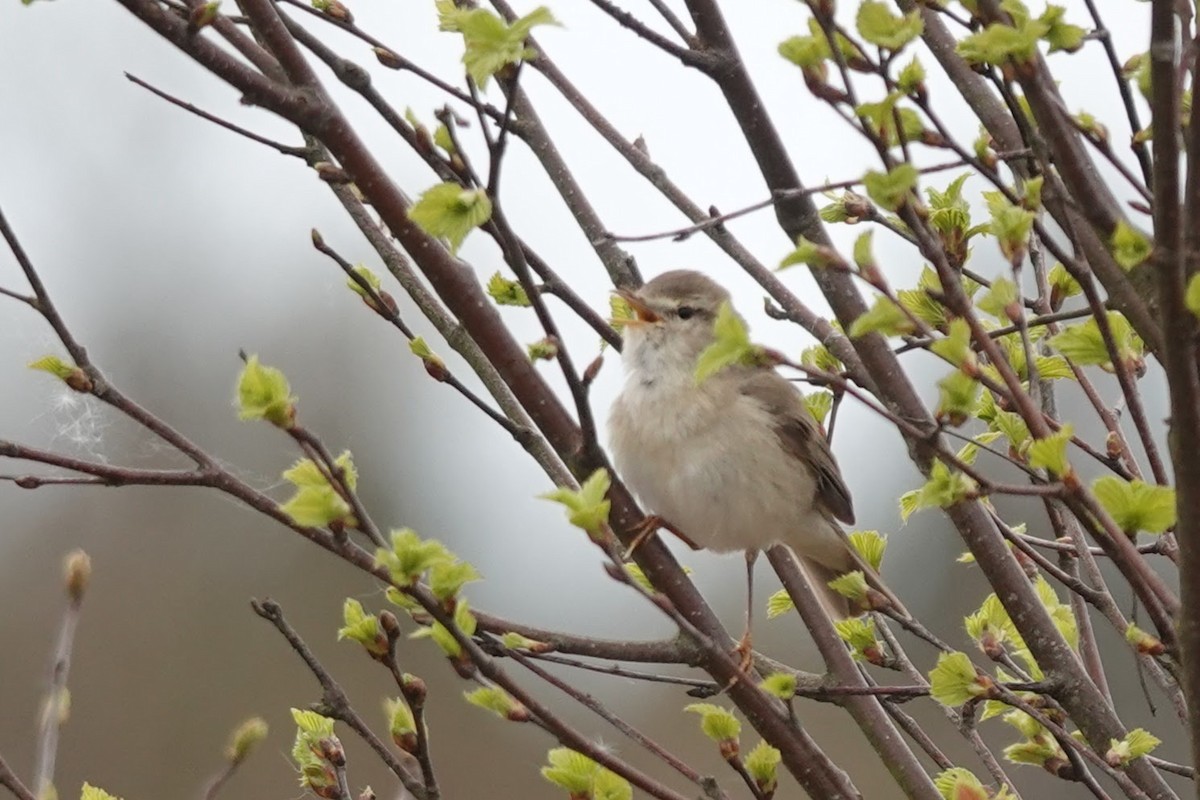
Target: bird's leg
{"x": 649, "y": 524}
{"x": 745, "y": 645}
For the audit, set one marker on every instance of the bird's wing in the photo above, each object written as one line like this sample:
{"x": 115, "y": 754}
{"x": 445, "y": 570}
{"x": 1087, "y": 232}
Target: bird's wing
{"x": 802, "y": 437}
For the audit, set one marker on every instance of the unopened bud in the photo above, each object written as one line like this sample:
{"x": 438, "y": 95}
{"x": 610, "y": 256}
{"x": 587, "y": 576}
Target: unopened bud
{"x": 77, "y": 569}
{"x": 388, "y": 59}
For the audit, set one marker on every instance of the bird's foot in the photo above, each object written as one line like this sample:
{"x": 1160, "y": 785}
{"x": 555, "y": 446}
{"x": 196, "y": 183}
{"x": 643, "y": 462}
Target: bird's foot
{"x": 744, "y": 652}
{"x": 646, "y": 528}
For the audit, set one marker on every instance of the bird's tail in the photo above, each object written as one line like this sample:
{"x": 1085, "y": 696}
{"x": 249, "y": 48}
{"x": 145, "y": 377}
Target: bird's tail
{"x": 819, "y": 576}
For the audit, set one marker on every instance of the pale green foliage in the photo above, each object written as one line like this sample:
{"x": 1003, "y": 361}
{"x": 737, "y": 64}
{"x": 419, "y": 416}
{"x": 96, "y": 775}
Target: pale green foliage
{"x": 399, "y": 717}
{"x": 780, "y": 684}
{"x": 806, "y": 52}
{"x": 871, "y": 545}
{"x": 1129, "y": 246}
{"x": 955, "y": 346}
{"x": 587, "y": 508}
{"x": 731, "y": 345}
{"x": 779, "y": 604}
{"x": 762, "y": 762}
{"x": 990, "y": 625}
{"x": 880, "y": 27}
{"x": 362, "y": 627}
{"x": 369, "y": 277}
{"x": 999, "y": 298}
{"x": 317, "y": 502}
{"x": 819, "y": 405}
{"x": 515, "y": 641}
{"x": 583, "y": 778}
{"x": 891, "y": 190}
{"x": 463, "y": 620}
{"x": 55, "y": 366}
{"x": 1135, "y": 505}
{"x": 1192, "y": 298}
{"x": 859, "y": 634}
{"x": 970, "y": 451}
{"x": 498, "y": 701}
{"x": 1010, "y": 225}
{"x": 419, "y": 348}
{"x": 312, "y": 731}
{"x": 410, "y": 556}
{"x": 911, "y": 77}
{"x": 944, "y": 488}
{"x": 811, "y": 254}
{"x": 506, "y": 292}
{"x": 718, "y": 724}
{"x": 1062, "y": 283}
{"x": 1135, "y": 744}
{"x": 1050, "y": 452}
{"x": 954, "y": 680}
{"x": 449, "y": 575}
{"x": 957, "y": 783}
{"x": 90, "y": 792}
{"x": 491, "y": 43}
{"x": 1060, "y": 613}
{"x": 998, "y": 43}
{"x": 852, "y": 585}
{"x": 263, "y": 393}
{"x": 245, "y": 738}
{"x": 449, "y": 211}
{"x": 1084, "y": 343}
{"x": 884, "y": 317}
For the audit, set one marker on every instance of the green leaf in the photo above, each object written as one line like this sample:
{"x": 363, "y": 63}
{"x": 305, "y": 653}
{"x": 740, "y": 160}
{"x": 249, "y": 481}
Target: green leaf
{"x": 912, "y": 77}
{"x": 1135, "y": 744}
{"x": 401, "y": 724}
{"x": 1062, "y": 284}
{"x": 718, "y": 723}
{"x": 54, "y": 365}
{"x": 992, "y": 628}
{"x": 944, "y": 488}
{"x": 245, "y": 738}
{"x": 806, "y": 52}
{"x": 464, "y": 621}
{"x": 1129, "y": 246}
{"x": 581, "y": 777}
{"x": 859, "y": 634}
{"x": 819, "y": 357}
{"x": 863, "y": 257}
{"x": 1050, "y": 452}
{"x": 450, "y": 212}
{"x": 813, "y": 255}
{"x": 1059, "y": 34}
{"x": 1060, "y": 612}
{"x": 998, "y": 43}
{"x": 780, "y": 684}
{"x": 880, "y": 27}
{"x": 1192, "y": 298}
{"x": 885, "y": 317}
{"x": 957, "y": 783}
{"x": 1010, "y": 224}
{"x": 970, "y": 451}
{"x": 762, "y": 763}
{"x": 263, "y": 393}
{"x": 870, "y": 545}
{"x": 891, "y": 190}
{"x": 410, "y": 556}
{"x": 363, "y": 628}
{"x": 957, "y": 393}
{"x": 779, "y": 604}
{"x": 545, "y": 349}
{"x": 491, "y": 43}
{"x": 1144, "y": 642}
{"x": 955, "y": 347}
{"x": 587, "y": 508}
{"x": 954, "y": 680}
{"x": 731, "y": 345}
{"x": 949, "y": 212}
{"x": 90, "y": 792}
{"x": 499, "y": 702}
{"x": 819, "y": 405}
{"x": 1084, "y": 344}
{"x": 448, "y": 576}
{"x": 852, "y": 585}
{"x": 371, "y": 279}
{"x": 1000, "y": 298}
{"x": 1136, "y": 505}
{"x": 316, "y": 502}
{"x": 506, "y": 292}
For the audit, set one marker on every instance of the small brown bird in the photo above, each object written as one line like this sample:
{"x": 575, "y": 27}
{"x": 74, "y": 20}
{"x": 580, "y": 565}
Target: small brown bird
{"x": 735, "y": 462}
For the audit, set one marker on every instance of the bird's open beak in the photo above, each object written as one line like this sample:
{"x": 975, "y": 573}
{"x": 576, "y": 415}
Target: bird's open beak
{"x": 645, "y": 314}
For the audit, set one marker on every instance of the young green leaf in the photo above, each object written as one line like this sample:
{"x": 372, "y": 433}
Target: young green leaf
{"x": 1136, "y": 505}
{"x": 853, "y": 586}
{"x": 955, "y": 347}
{"x": 363, "y": 628}
{"x": 1050, "y": 452}
{"x": 90, "y": 792}
{"x": 957, "y": 393}
{"x": 779, "y": 604}
{"x": 813, "y": 255}
{"x": 491, "y": 43}
{"x": 1084, "y": 343}
{"x": 880, "y": 27}
{"x": 954, "y": 680}
{"x": 587, "y": 508}
{"x": 780, "y": 684}
{"x": 581, "y": 777}
{"x": 245, "y": 738}
{"x": 1135, "y": 744}
{"x": 762, "y": 763}
{"x": 911, "y": 79}
{"x": 449, "y": 575}
{"x": 891, "y": 190}
{"x": 1059, "y": 34}
{"x": 819, "y": 405}
{"x": 499, "y": 702}
{"x": 263, "y": 393}
{"x": 806, "y": 52}
{"x": 1192, "y": 298}
{"x": 410, "y": 556}
{"x": 1130, "y": 247}
{"x": 450, "y": 212}
{"x": 718, "y": 724}
{"x": 401, "y": 724}
{"x": 871, "y": 545}
{"x": 884, "y": 317}
{"x": 731, "y": 345}
{"x": 506, "y": 292}
{"x": 859, "y": 634}
{"x": 316, "y": 502}
{"x": 998, "y": 43}
{"x": 944, "y": 488}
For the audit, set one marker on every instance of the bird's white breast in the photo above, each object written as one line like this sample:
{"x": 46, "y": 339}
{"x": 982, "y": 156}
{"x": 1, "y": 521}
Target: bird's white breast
{"x": 707, "y": 459}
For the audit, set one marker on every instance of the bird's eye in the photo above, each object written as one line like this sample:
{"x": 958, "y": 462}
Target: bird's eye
{"x": 686, "y": 312}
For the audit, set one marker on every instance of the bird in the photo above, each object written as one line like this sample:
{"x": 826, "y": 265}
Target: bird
{"x": 735, "y": 462}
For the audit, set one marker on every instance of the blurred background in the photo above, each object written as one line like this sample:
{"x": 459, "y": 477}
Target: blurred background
{"x": 169, "y": 244}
